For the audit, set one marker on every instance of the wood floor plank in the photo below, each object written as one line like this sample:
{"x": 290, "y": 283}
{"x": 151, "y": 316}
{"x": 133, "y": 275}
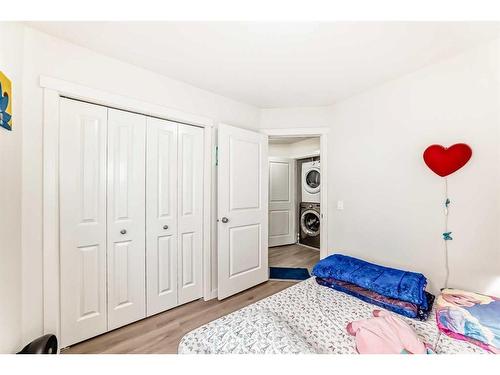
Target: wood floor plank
{"x": 162, "y": 333}
{"x": 293, "y": 256}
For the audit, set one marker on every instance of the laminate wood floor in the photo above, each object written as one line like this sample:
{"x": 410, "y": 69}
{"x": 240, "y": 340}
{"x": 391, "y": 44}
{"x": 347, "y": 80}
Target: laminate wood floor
{"x": 162, "y": 333}
{"x": 293, "y": 256}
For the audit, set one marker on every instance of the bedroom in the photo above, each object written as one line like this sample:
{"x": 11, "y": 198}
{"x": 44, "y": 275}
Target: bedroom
{"x": 165, "y": 189}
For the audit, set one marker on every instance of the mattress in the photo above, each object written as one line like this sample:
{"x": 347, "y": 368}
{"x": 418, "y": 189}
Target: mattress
{"x": 305, "y": 318}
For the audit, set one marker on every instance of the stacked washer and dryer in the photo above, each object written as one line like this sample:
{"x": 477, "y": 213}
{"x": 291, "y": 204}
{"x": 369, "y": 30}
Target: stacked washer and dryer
{"x": 309, "y": 215}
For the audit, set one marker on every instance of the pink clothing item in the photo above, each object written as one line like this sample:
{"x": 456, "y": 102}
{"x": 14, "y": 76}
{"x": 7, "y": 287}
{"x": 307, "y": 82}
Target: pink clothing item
{"x": 385, "y": 333}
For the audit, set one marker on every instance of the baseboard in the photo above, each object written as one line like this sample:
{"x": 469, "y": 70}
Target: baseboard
{"x": 309, "y": 247}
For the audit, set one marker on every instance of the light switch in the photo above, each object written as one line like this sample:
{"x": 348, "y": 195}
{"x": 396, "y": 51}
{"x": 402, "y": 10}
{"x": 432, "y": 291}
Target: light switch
{"x": 340, "y": 205}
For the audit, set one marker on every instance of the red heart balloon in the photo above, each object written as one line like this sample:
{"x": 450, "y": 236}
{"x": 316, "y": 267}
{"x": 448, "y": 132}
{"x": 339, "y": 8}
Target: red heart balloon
{"x": 444, "y": 161}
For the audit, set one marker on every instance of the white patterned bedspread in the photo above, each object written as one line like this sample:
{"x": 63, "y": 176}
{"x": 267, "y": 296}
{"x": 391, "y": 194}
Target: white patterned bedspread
{"x": 305, "y": 318}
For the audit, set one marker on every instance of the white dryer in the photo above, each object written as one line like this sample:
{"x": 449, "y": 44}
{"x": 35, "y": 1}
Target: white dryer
{"x": 311, "y": 182}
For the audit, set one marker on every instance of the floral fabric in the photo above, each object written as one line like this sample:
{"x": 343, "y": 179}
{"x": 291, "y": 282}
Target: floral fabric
{"x": 317, "y": 315}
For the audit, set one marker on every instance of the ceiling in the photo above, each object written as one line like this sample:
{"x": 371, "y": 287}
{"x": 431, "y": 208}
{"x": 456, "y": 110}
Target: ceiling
{"x": 277, "y": 64}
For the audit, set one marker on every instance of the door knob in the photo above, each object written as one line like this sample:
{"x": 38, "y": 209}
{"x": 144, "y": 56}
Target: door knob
{"x": 225, "y": 220}
{"x": 123, "y": 231}
{"x": 165, "y": 226}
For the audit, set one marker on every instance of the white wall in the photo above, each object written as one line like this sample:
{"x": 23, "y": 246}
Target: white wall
{"x": 46, "y": 55}
{"x": 11, "y": 60}
{"x": 295, "y": 150}
{"x": 302, "y": 117}
{"x": 392, "y": 203}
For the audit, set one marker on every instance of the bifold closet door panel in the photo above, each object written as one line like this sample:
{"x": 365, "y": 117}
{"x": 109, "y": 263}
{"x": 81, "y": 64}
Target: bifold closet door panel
{"x": 161, "y": 215}
{"x": 82, "y": 201}
{"x": 126, "y": 218}
{"x": 190, "y": 212}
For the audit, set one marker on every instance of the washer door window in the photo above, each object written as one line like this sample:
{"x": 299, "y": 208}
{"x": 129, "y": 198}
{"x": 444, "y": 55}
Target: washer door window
{"x": 309, "y": 222}
{"x": 313, "y": 180}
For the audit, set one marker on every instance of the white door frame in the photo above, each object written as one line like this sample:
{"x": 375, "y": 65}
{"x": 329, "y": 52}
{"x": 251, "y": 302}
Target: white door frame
{"x": 322, "y": 133}
{"x": 53, "y": 90}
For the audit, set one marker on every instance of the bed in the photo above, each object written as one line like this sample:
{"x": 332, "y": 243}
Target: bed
{"x": 305, "y": 318}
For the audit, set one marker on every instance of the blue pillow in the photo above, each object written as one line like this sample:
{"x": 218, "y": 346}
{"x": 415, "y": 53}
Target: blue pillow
{"x": 389, "y": 282}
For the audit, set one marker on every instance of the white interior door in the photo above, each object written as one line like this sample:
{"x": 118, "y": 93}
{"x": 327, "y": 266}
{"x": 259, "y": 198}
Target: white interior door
{"x": 126, "y": 218}
{"x": 190, "y": 212}
{"x": 82, "y": 220}
{"x": 161, "y": 215}
{"x": 282, "y": 202}
{"x": 242, "y": 210}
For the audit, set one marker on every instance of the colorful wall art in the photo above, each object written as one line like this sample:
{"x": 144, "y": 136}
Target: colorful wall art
{"x": 5, "y": 102}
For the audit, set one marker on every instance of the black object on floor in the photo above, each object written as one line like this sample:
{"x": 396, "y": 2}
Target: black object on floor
{"x": 288, "y": 273}
{"x": 43, "y": 345}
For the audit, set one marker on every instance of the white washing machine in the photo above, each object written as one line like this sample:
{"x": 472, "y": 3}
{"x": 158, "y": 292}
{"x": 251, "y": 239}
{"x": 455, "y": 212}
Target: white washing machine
{"x": 311, "y": 182}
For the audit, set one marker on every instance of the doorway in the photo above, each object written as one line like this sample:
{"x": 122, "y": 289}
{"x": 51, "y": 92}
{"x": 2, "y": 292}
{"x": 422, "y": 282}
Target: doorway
{"x": 294, "y": 205}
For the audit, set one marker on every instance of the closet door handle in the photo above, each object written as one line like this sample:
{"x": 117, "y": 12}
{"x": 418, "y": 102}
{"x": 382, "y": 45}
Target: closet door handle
{"x": 225, "y": 220}
{"x": 123, "y": 231}
{"x": 165, "y": 227}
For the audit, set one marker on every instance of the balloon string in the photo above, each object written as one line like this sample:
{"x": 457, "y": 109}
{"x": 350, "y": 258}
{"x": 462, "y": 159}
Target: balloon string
{"x": 446, "y": 238}
{"x": 446, "y": 233}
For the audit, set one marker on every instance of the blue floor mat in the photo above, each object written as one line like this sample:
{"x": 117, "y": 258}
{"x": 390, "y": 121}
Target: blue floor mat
{"x": 287, "y": 273}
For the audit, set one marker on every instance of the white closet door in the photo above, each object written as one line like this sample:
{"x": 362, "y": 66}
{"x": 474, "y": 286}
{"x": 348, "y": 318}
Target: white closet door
{"x": 161, "y": 215}
{"x": 126, "y": 218}
{"x": 82, "y": 220}
{"x": 282, "y": 205}
{"x": 190, "y": 212}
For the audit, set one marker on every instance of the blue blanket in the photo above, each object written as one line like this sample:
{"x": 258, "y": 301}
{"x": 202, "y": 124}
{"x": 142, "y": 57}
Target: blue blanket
{"x": 390, "y": 282}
